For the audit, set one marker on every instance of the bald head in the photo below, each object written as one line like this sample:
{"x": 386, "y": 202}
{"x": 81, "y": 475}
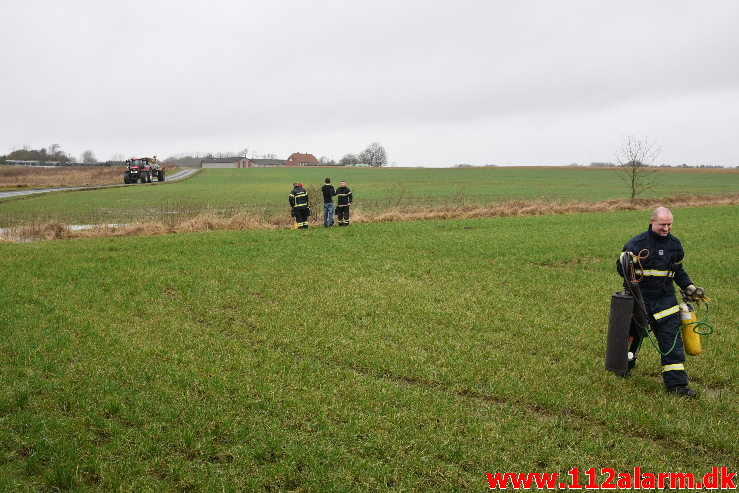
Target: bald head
{"x": 661, "y": 211}
{"x": 661, "y": 221}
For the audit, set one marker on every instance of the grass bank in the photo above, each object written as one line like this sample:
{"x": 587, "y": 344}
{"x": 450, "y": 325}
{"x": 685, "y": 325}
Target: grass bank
{"x": 209, "y": 222}
{"x": 413, "y": 356}
{"x": 262, "y": 193}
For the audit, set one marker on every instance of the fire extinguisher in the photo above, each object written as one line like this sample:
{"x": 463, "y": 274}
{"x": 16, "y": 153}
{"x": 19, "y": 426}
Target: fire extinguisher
{"x": 688, "y": 324}
{"x": 692, "y": 328}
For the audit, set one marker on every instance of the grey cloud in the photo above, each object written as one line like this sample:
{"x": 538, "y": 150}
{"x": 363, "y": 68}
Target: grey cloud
{"x": 190, "y": 72}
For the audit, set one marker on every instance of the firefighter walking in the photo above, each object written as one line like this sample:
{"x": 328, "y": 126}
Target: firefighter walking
{"x": 299, "y": 206}
{"x": 659, "y": 255}
{"x": 343, "y": 201}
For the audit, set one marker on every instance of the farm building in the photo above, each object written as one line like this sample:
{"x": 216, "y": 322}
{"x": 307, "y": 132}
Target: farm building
{"x": 263, "y": 163}
{"x": 295, "y": 159}
{"x": 240, "y": 162}
{"x": 298, "y": 159}
{"x": 225, "y": 162}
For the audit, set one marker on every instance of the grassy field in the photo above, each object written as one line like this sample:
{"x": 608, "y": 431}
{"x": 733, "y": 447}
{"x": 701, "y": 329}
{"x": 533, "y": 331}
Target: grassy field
{"x": 20, "y": 177}
{"x": 411, "y": 356}
{"x": 263, "y": 192}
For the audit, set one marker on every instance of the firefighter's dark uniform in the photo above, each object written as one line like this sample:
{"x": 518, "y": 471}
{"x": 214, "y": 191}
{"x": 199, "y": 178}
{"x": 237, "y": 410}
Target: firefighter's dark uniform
{"x": 299, "y": 203}
{"x": 659, "y": 269}
{"x": 343, "y": 201}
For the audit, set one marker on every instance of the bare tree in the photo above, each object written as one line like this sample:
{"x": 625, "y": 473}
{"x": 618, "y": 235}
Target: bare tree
{"x": 374, "y": 155}
{"x": 55, "y": 150}
{"x": 634, "y": 158}
{"x": 349, "y": 160}
{"x": 88, "y": 157}
{"x": 118, "y": 157}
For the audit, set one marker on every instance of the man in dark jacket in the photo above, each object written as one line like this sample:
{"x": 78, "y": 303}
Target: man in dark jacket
{"x": 660, "y": 265}
{"x": 299, "y": 207}
{"x": 328, "y": 203}
{"x": 343, "y": 201}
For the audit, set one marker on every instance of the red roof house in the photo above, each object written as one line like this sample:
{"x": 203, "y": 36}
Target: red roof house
{"x": 298, "y": 159}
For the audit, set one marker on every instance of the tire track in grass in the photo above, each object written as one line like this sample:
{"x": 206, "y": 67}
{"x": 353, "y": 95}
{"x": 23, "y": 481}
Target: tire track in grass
{"x": 574, "y": 417}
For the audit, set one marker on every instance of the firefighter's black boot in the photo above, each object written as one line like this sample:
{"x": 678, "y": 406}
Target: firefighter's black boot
{"x": 682, "y": 391}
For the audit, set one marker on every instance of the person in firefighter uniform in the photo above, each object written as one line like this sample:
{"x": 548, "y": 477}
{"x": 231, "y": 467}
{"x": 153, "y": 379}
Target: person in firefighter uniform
{"x": 661, "y": 267}
{"x": 299, "y": 207}
{"x": 343, "y": 201}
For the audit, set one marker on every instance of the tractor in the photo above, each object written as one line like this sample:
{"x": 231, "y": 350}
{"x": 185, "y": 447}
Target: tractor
{"x": 142, "y": 169}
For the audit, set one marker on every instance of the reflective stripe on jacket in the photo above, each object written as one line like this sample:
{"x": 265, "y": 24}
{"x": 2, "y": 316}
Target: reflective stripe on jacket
{"x": 298, "y": 197}
{"x": 343, "y": 197}
{"x": 658, "y": 271}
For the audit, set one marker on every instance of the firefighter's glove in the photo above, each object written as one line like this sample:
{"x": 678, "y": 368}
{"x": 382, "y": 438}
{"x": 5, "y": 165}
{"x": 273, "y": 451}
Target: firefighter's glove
{"x": 693, "y": 293}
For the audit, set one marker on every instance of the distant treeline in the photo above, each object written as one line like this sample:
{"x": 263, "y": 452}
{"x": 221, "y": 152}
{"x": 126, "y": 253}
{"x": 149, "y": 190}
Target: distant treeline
{"x": 53, "y": 154}
{"x": 614, "y": 165}
{"x": 373, "y": 155}
{"x": 15, "y": 162}
{"x": 185, "y": 161}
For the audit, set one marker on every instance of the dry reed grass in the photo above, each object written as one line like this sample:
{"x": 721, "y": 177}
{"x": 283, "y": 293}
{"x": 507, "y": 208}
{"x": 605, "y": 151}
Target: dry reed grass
{"x": 536, "y": 208}
{"x": 241, "y": 221}
{"x": 35, "y": 231}
{"x": 33, "y": 177}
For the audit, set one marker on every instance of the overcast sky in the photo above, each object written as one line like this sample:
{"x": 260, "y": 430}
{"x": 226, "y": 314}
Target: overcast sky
{"x": 436, "y": 83}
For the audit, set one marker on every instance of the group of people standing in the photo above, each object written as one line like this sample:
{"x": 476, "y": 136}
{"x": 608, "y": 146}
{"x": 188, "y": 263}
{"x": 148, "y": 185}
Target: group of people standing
{"x": 300, "y": 204}
{"x": 659, "y": 255}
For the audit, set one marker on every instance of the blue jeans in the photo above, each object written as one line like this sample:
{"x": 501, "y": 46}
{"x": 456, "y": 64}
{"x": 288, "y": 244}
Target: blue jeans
{"x": 328, "y": 214}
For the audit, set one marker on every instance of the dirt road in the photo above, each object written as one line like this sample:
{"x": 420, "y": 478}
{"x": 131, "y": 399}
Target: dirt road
{"x": 180, "y": 175}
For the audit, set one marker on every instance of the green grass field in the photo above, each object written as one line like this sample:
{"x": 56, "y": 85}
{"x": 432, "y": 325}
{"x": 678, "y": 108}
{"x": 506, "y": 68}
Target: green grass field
{"x": 412, "y": 356}
{"x": 263, "y": 192}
